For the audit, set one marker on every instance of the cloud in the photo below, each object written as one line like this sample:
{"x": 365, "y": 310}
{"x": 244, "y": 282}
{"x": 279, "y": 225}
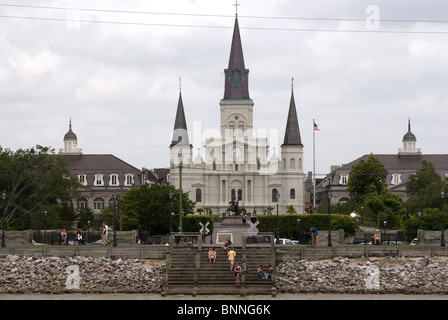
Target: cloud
{"x": 119, "y": 82}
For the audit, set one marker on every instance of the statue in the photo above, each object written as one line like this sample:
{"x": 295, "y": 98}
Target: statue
{"x": 233, "y": 207}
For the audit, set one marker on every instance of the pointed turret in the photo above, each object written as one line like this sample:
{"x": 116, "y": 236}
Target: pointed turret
{"x": 292, "y": 132}
{"x": 236, "y": 75}
{"x": 180, "y": 133}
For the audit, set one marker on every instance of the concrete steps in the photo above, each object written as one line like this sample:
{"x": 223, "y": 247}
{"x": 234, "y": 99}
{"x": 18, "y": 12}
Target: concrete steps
{"x": 190, "y": 272}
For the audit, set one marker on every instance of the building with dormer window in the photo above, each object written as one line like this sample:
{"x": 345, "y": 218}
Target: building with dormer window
{"x": 101, "y": 176}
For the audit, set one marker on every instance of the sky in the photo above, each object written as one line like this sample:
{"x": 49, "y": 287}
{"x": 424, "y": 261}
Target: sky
{"x": 361, "y": 69}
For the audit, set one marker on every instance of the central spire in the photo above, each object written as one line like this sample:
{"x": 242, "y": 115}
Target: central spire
{"x": 236, "y": 75}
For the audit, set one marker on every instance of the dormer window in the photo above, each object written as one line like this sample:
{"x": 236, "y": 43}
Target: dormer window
{"x": 343, "y": 179}
{"x": 396, "y": 178}
{"x": 99, "y": 180}
{"x": 129, "y": 179}
{"x": 82, "y": 178}
{"x": 113, "y": 181}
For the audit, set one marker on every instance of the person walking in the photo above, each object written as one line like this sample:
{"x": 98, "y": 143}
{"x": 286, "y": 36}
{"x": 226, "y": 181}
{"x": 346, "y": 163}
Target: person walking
{"x": 104, "y": 234}
{"x": 231, "y": 256}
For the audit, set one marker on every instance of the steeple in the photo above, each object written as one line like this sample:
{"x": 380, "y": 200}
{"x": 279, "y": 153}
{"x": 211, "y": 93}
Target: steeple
{"x": 180, "y": 133}
{"x": 236, "y": 75}
{"x": 292, "y": 131}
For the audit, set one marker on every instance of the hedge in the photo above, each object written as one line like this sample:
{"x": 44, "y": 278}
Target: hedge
{"x": 290, "y": 227}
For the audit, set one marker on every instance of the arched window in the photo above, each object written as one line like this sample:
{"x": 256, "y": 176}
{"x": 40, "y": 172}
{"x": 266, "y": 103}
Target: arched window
{"x": 274, "y": 195}
{"x": 292, "y": 194}
{"x": 236, "y": 78}
{"x": 198, "y": 195}
{"x": 98, "y": 205}
{"x": 82, "y": 203}
{"x": 240, "y": 194}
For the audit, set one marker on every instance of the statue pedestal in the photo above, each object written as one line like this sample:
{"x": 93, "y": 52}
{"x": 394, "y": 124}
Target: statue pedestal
{"x": 233, "y": 221}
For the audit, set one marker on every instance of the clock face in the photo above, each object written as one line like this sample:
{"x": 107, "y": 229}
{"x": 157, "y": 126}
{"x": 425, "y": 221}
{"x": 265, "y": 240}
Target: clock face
{"x": 236, "y": 152}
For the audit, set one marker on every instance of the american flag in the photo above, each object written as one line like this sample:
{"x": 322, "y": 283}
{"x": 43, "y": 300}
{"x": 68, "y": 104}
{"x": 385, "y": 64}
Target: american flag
{"x": 316, "y": 128}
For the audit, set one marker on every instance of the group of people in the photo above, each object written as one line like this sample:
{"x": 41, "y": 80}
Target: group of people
{"x": 78, "y": 238}
{"x": 263, "y": 274}
{"x": 235, "y": 267}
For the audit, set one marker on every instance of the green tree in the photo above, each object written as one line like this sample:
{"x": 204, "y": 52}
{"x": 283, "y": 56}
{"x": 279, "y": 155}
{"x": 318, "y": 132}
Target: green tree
{"x": 365, "y": 175}
{"x": 152, "y": 206}
{"x": 423, "y": 188}
{"x": 384, "y": 206}
{"x": 30, "y": 179}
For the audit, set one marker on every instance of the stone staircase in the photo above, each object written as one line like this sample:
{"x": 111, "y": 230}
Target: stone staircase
{"x": 190, "y": 272}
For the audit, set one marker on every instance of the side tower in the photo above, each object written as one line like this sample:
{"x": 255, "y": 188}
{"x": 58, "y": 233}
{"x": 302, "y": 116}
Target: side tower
{"x": 181, "y": 151}
{"x": 291, "y": 170}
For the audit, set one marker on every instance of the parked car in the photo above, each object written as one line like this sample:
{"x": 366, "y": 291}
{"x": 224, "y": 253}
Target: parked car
{"x": 414, "y": 242}
{"x": 285, "y": 241}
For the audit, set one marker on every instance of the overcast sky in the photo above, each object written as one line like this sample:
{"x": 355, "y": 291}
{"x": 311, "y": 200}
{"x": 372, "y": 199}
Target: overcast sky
{"x": 360, "y": 69}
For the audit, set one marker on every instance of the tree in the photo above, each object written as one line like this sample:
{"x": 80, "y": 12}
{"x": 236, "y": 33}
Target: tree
{"x": 152, "y": 206}
{"x": 423, "y": 188}
{"x": 383, "y": 206}
{"x": 365, "y": 175}
{"x": 31, "y": 178}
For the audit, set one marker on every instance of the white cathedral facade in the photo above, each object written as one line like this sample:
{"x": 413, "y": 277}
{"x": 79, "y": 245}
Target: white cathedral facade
{"x": 236, "y": 166}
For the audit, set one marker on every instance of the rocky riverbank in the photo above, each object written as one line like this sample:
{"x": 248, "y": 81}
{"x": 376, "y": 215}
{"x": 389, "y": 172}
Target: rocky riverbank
{"x": 428, "y": 275}
{"x": 21, "y": 274}
{"x": 55, "y": 275}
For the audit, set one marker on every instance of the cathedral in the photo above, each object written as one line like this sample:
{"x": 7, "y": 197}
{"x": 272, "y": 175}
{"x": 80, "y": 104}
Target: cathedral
{"x": 235, "y": 174}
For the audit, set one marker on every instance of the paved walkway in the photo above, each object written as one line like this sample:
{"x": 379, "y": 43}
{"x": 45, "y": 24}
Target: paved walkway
{"x": 284, "y": 296}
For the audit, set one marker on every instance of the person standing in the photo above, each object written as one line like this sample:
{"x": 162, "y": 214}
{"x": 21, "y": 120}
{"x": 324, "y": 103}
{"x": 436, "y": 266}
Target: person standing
{"x": 105, "y": 233}
{"x": 237, "y": 274}
{"x": 231, "y": 256}
{"x": 314, "y": 234}
{"x": 64, "y": 236}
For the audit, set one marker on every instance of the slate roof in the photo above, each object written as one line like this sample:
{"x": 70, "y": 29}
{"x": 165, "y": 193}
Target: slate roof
{"x": 239, "y": 89}
{"x": 396, "y": 163}
{"x": 292, "y": 132}
{"x": 106, "y": 164}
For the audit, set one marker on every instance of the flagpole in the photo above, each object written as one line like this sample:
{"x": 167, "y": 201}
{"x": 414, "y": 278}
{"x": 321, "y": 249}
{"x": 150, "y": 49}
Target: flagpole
{"x": 314, "y": 165}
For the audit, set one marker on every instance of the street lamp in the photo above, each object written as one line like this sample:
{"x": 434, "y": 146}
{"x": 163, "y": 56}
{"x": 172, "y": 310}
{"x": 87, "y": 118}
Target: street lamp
{"x": 329, "y": 220}
{"x": 211, "y": 215}
{"x": 442, "y": 237}
{"x": 45, "y": 226}
{"x": 3, "y": 220}
{"x": 277, "y": 231}
{"x": 171, "y": 212}
{"x": 116, "y": 199}
{"x": 269, "y": 220}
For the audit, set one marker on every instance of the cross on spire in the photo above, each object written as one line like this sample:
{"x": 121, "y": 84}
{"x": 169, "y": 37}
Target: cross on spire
{"x": 236, "y": 7}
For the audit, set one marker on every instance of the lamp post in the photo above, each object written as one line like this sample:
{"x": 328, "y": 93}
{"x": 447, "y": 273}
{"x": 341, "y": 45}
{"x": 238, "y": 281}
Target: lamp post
{"x": 210, "y": 213}
{"x": 116, "y": 199}
{"x": 45, "y": 226}
{"x": 269, "y": 220}
{"x": 3, "y": 220}
{"x": 171, "y": 212}
{"x": 442, "y": 237}
{"x": 277, "y": 231}
{"x": 329, "y": 220}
